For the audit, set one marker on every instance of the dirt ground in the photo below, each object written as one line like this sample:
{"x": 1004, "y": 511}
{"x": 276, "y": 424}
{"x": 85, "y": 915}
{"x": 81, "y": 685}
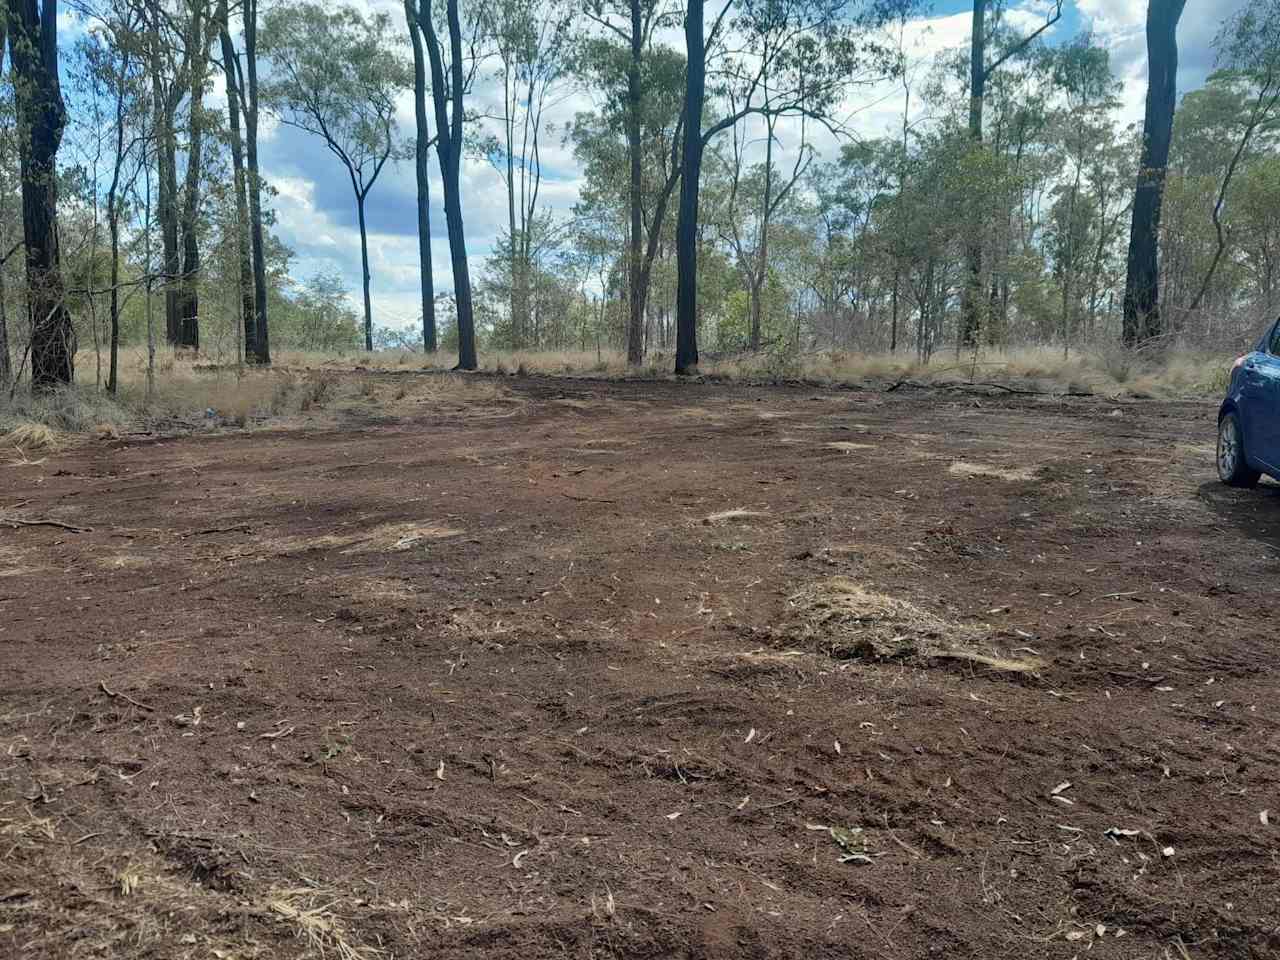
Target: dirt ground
{"x": 588, "y": 670}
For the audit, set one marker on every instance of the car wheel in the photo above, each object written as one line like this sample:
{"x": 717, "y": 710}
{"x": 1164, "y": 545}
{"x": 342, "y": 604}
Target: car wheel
{"x": 1233, "y": 468}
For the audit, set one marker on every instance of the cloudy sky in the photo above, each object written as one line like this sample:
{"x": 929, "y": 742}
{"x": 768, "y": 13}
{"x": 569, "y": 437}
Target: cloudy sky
{"x": 316, "y": 211}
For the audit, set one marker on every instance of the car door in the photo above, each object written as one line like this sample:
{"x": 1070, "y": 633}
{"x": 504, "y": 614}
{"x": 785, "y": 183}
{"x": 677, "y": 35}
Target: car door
{"x": 1262, "y": 388}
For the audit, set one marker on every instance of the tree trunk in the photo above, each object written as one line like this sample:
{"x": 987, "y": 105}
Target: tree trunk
{"x": 971, "y": 294}
{"x": 687, "y": 226}
{"x": 449, "y": 153}
{"x": 243, "y": 257}
{"x": 364, "y": 266}
{"x": 893, "y": 329}
{"x": 1142, "y": 320}
{"x": 422, "y": 158}
{"x": 41, "y": 118}
{"x": 635, "y": 326}
{"x": 167, "y": 180}
{"x": 761, "y": 267}
{"x": 262, "y": 345}
{"x": 188, "y": 288}
{"x": 518, "y": 318}
{"x": 6, "y": 370}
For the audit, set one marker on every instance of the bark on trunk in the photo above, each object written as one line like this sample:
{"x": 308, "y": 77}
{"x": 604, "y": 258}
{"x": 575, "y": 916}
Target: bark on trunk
{"x": 762, "y": 254}
{"x": 41, "y": 119}
{"x": 635, "y": 324}
{"x": 422, "y": 157}
{"x": 1142, "y": 321}
{"x": 113, "y": 227}
{"x": 364, "y": 265}
{"x": 167, "y": 180}
{"x": 6, "y": 369}
{"x": 687, "y": 227}
{"x": 188, "y": 287}
{"x": 262, "y": 345}
{"x": 243, "y": 257}
{"x": 971, "y": 294}
{"x": 449, "y": 153}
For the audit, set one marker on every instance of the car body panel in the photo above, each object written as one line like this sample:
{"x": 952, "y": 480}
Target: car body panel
{"x": 1253, "y": 394}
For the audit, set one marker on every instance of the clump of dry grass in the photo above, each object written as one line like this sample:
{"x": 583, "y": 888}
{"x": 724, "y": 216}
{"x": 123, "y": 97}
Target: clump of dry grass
{"x": 316, "y": 923}
{"x": 27, "y": 829}
{"x": 730, "y": 516}
{"x": 28, "y": 435}
{"x": 48, "y": 420}
{"x": 851, "y": 621}
{"x": 963, "y": 468}
{"x": 380, "y": 538}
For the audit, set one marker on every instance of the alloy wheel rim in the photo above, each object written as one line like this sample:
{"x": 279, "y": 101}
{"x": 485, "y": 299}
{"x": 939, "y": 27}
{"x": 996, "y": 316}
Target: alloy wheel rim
{"x": 1228, "y": 449}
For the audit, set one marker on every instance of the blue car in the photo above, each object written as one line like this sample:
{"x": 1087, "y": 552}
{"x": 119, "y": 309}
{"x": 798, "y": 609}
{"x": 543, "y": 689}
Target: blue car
{"x": 1249, "y": 420}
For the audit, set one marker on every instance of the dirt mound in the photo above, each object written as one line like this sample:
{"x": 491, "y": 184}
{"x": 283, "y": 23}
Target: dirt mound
{"x": 847, "y": 620}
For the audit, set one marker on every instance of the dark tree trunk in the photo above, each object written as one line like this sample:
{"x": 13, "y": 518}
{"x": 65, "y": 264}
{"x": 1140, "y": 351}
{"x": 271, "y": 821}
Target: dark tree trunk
{"x": 1142, "y": 320}
{"x": 6, "y": 369}
{"x": 364, "y": 265}
{"x": 687, "y": 227}
{"x": 635, "y": 324}
{"x": 41, "y": 119}
{"x": 188, "y": 288}
{"x": 113, "y": 226}
{"x": 243, "y": 257}
{"x": 761, "y": 267}
{"x": 262, "y": 345}
{"x": 971, "y": 294}
{"x": 893, "y": 329}
{"x": 449, "y": 153}
{"x": 422, "y": 156}
{"x": 167, "y": 178}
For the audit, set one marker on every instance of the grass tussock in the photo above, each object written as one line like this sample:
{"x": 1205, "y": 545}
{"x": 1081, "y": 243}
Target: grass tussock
{"x": 382, "y": 538}
{"x": 848, "y": 620}
{"x": 316, "y": 923}
{"x": 737, "y": 514}
{"x": 963, "y": 468}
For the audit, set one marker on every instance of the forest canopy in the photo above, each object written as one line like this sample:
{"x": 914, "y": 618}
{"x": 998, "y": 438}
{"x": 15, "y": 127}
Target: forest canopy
{"x": 788, "y": 176}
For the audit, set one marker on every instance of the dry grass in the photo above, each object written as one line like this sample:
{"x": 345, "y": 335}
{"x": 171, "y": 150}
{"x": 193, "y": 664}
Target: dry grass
{"x": 28, "y": 435}
{"x": 382, "y": 538}
{"x": 851, "y": 621}
{"x": 25, "y": 830}
{"x": 1107, "y": 370}
{"x": 963, "y": 468}
{"x": 316, "y": 923}
{"x": 729, "y": 516}
{"x": 14, "y": 563}
{"x": 188, "y": 387}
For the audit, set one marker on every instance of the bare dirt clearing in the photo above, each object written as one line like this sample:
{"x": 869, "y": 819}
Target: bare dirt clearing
{"x": 577, "y": 670}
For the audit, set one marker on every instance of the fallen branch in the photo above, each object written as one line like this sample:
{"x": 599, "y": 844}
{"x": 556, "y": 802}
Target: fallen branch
{"x": 16, "y": 522}
{"x": 234, "y": 528}
{"x": 980, "y": 387}
{"x": 123, "y": 696}
{"x": 586, "y": 499}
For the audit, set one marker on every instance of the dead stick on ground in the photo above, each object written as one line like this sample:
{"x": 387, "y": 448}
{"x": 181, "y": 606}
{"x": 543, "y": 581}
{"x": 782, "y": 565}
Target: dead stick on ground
{"x": 42, "y": 522}
{"x": 586, "y": 499}
{"x": 123, "y": 696}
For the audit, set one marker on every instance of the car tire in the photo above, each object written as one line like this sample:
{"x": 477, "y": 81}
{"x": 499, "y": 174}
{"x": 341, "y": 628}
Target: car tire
{"x": 1233, "y": 466}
